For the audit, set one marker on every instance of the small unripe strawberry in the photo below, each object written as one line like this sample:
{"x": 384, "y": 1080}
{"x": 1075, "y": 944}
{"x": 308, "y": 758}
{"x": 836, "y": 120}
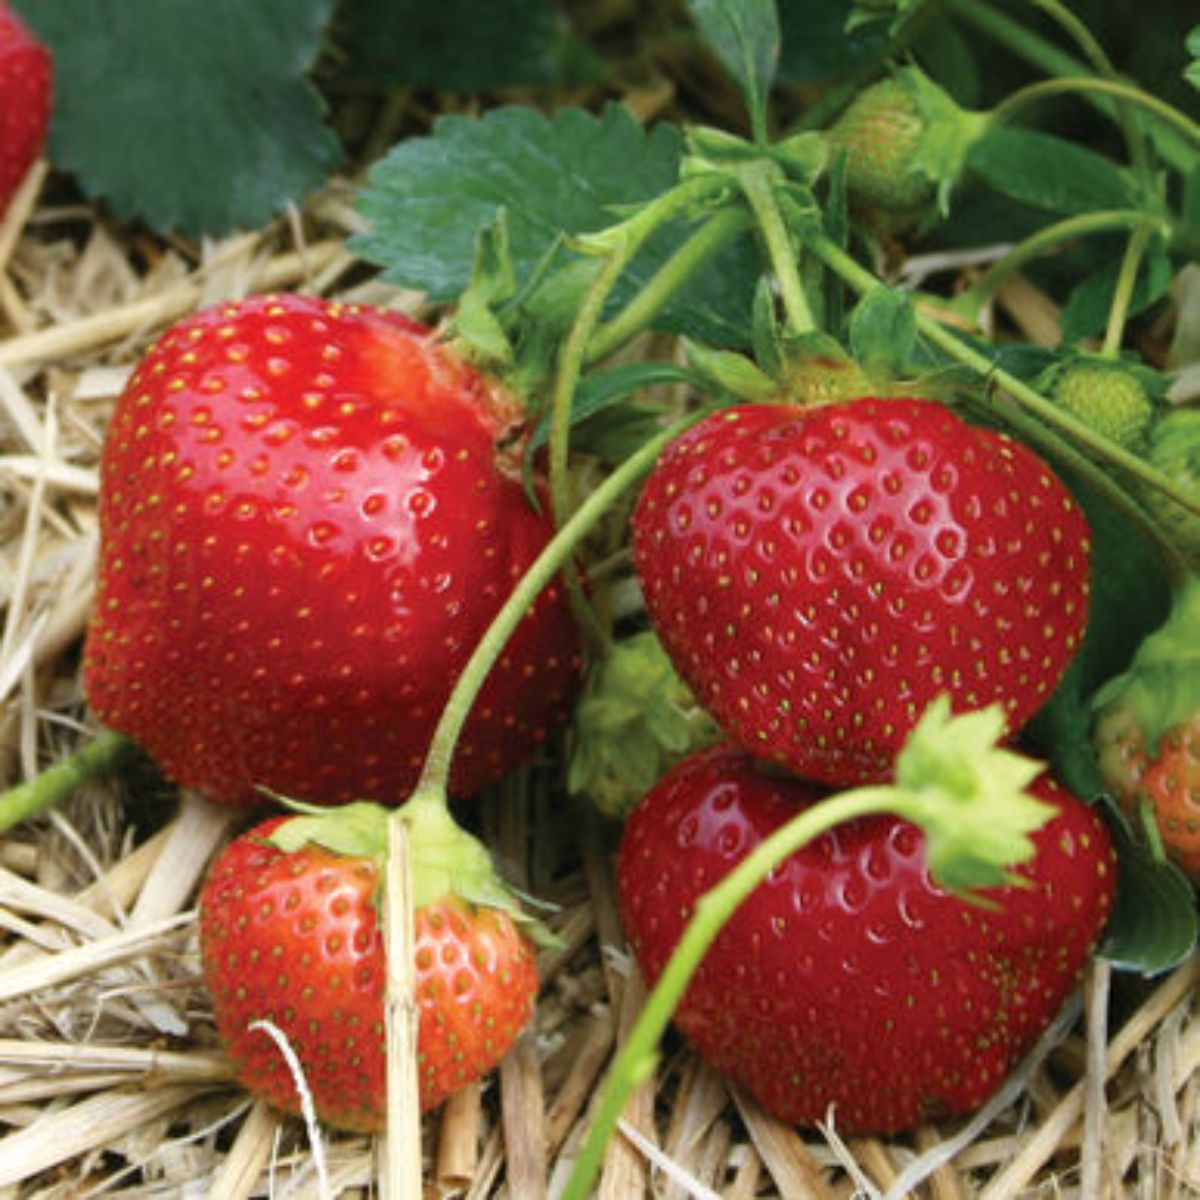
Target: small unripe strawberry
{"x": 1147, "y": 732}
{"x": 904, "y": 140}
{"x": 1106, "y": 397}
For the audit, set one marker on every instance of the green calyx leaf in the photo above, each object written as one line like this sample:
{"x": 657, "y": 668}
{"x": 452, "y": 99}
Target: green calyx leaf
{"x": 883, "y": 329}
{"x": 444, "y": 859}
{"x": 635, "y": 720}
{"x": 1162, "y": 685}
{"x": 968, "y": 795}
{"x": 726, "y": 371}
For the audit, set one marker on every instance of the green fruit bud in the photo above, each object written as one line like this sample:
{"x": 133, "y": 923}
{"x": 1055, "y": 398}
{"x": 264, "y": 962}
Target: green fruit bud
{"x": 1107, "y": 398}
{"x": 904, "y": 140}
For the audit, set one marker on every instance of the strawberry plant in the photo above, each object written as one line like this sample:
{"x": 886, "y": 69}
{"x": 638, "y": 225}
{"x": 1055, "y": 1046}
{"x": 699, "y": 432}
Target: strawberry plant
{"x": 792, "y": 463}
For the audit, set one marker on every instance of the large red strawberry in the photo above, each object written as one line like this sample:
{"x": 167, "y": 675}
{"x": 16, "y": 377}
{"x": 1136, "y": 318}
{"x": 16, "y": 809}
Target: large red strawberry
{"x": 848, "y": 978}
{"x": 309, "y": 515}
{"x": 25, "y": 87}
{"x": 818, "y": 577}
{"x": 290, "y": 936}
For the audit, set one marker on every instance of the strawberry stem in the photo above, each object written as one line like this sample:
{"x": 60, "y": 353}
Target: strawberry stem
{"x": 712, "y": 237}
{"x": 25, "y": 800}
{"x": 1048, "y": 238}
{"x": 1118, "y": 313}
{"x": 1036, "y": 50}
{"x": 436, "y": 771}
{"x": 1083, "y": 84}
{"x": 757, "y": 181}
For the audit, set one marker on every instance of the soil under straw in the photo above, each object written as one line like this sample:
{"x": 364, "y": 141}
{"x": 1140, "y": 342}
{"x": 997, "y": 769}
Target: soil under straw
{"x": 111, "y": 1081}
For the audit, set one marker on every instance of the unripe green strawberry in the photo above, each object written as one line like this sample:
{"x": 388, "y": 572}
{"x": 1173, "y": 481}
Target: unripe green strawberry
{"x": 1174, "y": 450}
{"x": 904, "y": 139}
{"x": 1106, "y": 397}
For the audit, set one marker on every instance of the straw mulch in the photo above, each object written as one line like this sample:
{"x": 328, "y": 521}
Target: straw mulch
{"x": 111, "y": 1081}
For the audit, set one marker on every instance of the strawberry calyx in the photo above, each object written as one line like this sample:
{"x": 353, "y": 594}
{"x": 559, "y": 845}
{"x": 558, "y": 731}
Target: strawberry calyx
{"x": 1161, "y": 688}
{"x": 969, "y": 794}
{"x": 636, "y": 718}
{"x": 445, "y": 861}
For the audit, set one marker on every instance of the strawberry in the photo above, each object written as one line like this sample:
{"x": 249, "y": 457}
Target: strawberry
{"x": 848, "y": 979}
{"x": 1106, "y": 397}
{"x": 904, "y": 140}
{"x": 290, "y": 935}
{"x": 1147, "y": 732}
{"x": 817, "y": 577}
{"x": 25, "y": 98}
{"x": 310, "y": 513}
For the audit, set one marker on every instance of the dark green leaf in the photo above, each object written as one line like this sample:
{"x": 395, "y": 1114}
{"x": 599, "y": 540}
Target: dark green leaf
{"x": 1192, "y": 71}
{"x": 1049, "y": 172}
{"x": 1086, "y": 310}
{"x": 567, "y": 174}
{"x": 454, "y": 45}
{"x": 883, "y": 329}
{"x": 817, "y": 43}
{"x": 744, "y": 35}
{"x": 196, "y": 117}
{"x": 1153, "y": 926}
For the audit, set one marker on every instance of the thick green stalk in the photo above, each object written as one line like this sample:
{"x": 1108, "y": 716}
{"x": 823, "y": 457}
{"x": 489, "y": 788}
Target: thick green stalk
{"x": 1037, "y": 51}
{"x": 637, "y": 1058}
{"x": 436, "y": 771}
{"x": 758, "y": 184}
{"x": 862, "y": 281}
{"x": 1095, "y": 54}
{"x": 101, "y": 754}
{"x": 701, "y": 247}
{"x": 1118, "y": 312}
{"x": 1047, "y": 238}
{"x": 1089, "y": 84}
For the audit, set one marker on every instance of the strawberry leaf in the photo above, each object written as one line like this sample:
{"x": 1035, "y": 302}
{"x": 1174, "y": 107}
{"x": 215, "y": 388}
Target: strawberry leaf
{"x": 456, "y": 45}
{"x": 817, "y": 42}
{"x": 1048, "y": 172}
{"x": 571, "y": 173}
{"x": 883, "y": 330}
{"x": 196, "y": 118}
{"x": 1153, "y": 926}
{"x": 744, "y": 35}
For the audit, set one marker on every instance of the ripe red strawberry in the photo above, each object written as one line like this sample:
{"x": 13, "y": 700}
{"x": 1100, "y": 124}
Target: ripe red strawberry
{"x": 818, "y": 577}
{"x": 291, "y": 936}
{"x": 25, "y": 87}
{"x": 1147, "y": 732}
{"x": 848, "y": 978}
{"x": 308, "y": 519}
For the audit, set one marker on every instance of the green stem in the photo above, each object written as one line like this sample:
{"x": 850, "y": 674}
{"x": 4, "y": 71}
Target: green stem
{"x": 1048, "y": 413}
{"x": 757, "y": 182}
{"x": 1118, "y": 312}
{"x": 101, "y": 754}
{"x": 616, "y": 246}
{"x": 636, "y": 1060}
{"x": 436, "y": 771}
{"x": 1085, "y": 84}
{"x": 1034, "y": 49}
{"x": 702, "y": 246}
{"x": 1046, "y": 239}
{"x": 1095, "y": 54}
